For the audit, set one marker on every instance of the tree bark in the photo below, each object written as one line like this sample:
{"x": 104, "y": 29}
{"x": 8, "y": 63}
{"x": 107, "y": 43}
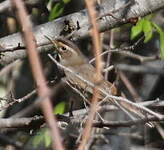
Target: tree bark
{"x": 137, "y": 8}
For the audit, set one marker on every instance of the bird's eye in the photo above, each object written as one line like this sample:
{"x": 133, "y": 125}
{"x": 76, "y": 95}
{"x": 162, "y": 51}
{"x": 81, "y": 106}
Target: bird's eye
{"x": 63, "y": 48}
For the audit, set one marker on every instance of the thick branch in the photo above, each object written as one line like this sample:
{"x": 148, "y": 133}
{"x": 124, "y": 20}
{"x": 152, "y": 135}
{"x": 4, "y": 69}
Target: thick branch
{"x": 55, "y": 28}
{"x": 38, "y": 120}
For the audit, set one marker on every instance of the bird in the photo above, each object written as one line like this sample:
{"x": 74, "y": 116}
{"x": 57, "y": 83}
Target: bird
{"x": 71, "y": 57}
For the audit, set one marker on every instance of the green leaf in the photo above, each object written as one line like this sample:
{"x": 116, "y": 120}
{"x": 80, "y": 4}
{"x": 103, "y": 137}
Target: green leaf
{"x": 158, "y": 29}
{"x": 148, "y": 30}
{"x": 148, "y": 36}
{"x": 161, "y": 39}
{"x": 148, "y": 17}
{"x": 42, "y": 136}
{"x": 137, "y": 29}
{"x": 47, "y": 138}
{"x": 59, "y": 108}
{"x": 38, "y": 138}
{"x": 56, "y": 11}
{"x": 66, "y": 1}
{"x": 145, "y": 26}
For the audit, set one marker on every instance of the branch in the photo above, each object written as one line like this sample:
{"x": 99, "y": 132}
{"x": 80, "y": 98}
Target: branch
{"x": 21, "y": 122}
{"x": 116, "y": 124}
{"x": 14, "y": 101}
{"x": 5, "y": 5}
{"x": 39, "y": 120}
{"x": 55, "y": 28}
{"x": 136, "y": 108}
{"x": 37, "y": 72}
{"x": 146, "y": 69}
{"x": 97, "y": 51}
{"x": 7, "y": 140}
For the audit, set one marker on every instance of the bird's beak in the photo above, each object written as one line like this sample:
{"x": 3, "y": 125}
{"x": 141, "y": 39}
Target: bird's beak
{"x": 54, "y": 42}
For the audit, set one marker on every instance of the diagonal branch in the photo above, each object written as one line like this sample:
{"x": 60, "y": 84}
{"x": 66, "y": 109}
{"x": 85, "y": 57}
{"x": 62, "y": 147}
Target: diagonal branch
{"x": 136, "y": 108}
{"x": 55, "y": 28}
{"x": 37, "y": 72}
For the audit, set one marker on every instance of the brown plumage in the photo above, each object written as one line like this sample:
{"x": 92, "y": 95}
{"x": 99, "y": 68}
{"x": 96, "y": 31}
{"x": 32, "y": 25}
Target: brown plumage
{"x": 72, "y": 58}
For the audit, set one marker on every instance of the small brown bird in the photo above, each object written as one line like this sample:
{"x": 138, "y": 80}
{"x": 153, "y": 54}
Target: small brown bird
{"x": 72, "y": 58}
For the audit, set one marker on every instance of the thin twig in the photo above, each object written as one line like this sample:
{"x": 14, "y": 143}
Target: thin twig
{"x": 97, "y": 51}
{"x": 111, "y": 45}
{"x": 130, "y": 87}
{"x": 160, "y": 130}
{"x": 136, "y": 56}
{"x": 141, "y": 69}
{"x": 116, "y": 124}
{"x": 19, "y": 100}
{"x": 7, "y": 68}
{"x": 37, "y": 71}
{"x": 108, "y": 68}
{"x": 119, "y": 99}
{"x": 22, "y": 122}
{"x": 125, "y": 52}
{"x": 132, "y": 47}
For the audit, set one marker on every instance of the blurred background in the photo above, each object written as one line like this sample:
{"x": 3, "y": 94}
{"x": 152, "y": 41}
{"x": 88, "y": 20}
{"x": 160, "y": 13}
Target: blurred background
{"x": 137, "y": 86}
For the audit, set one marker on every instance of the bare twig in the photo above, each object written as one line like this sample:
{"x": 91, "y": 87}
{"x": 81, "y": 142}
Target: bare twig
{"x": 19, "y": 122}
{"x": 136, "y": 56}
{"x": 43, "y": 90}
{"x": 140, "y": 69}
{"x": 126, "y": 51}
{"x": 108, "y": 68}
{"x": 111, "y": 45}
{"x": 153, "y": 103}
{"x": 19, "y": 100}
{"x": 108, "y": 107}
{"x": 104, "y": 53}
{"x": 132, "y": 47}
{"x": 130, "y": 87}
{"x": 137, "y": 108}
{"x": 160, "y": 130}
{"x": 97, "y": 52}
{"x": 28, "y": 122}
{"x": 7, "y": 68}
{"x": 116, "y": 124}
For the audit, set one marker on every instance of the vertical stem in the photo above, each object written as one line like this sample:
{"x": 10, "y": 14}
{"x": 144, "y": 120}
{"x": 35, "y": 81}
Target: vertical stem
{"x": 37, "y": 72}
